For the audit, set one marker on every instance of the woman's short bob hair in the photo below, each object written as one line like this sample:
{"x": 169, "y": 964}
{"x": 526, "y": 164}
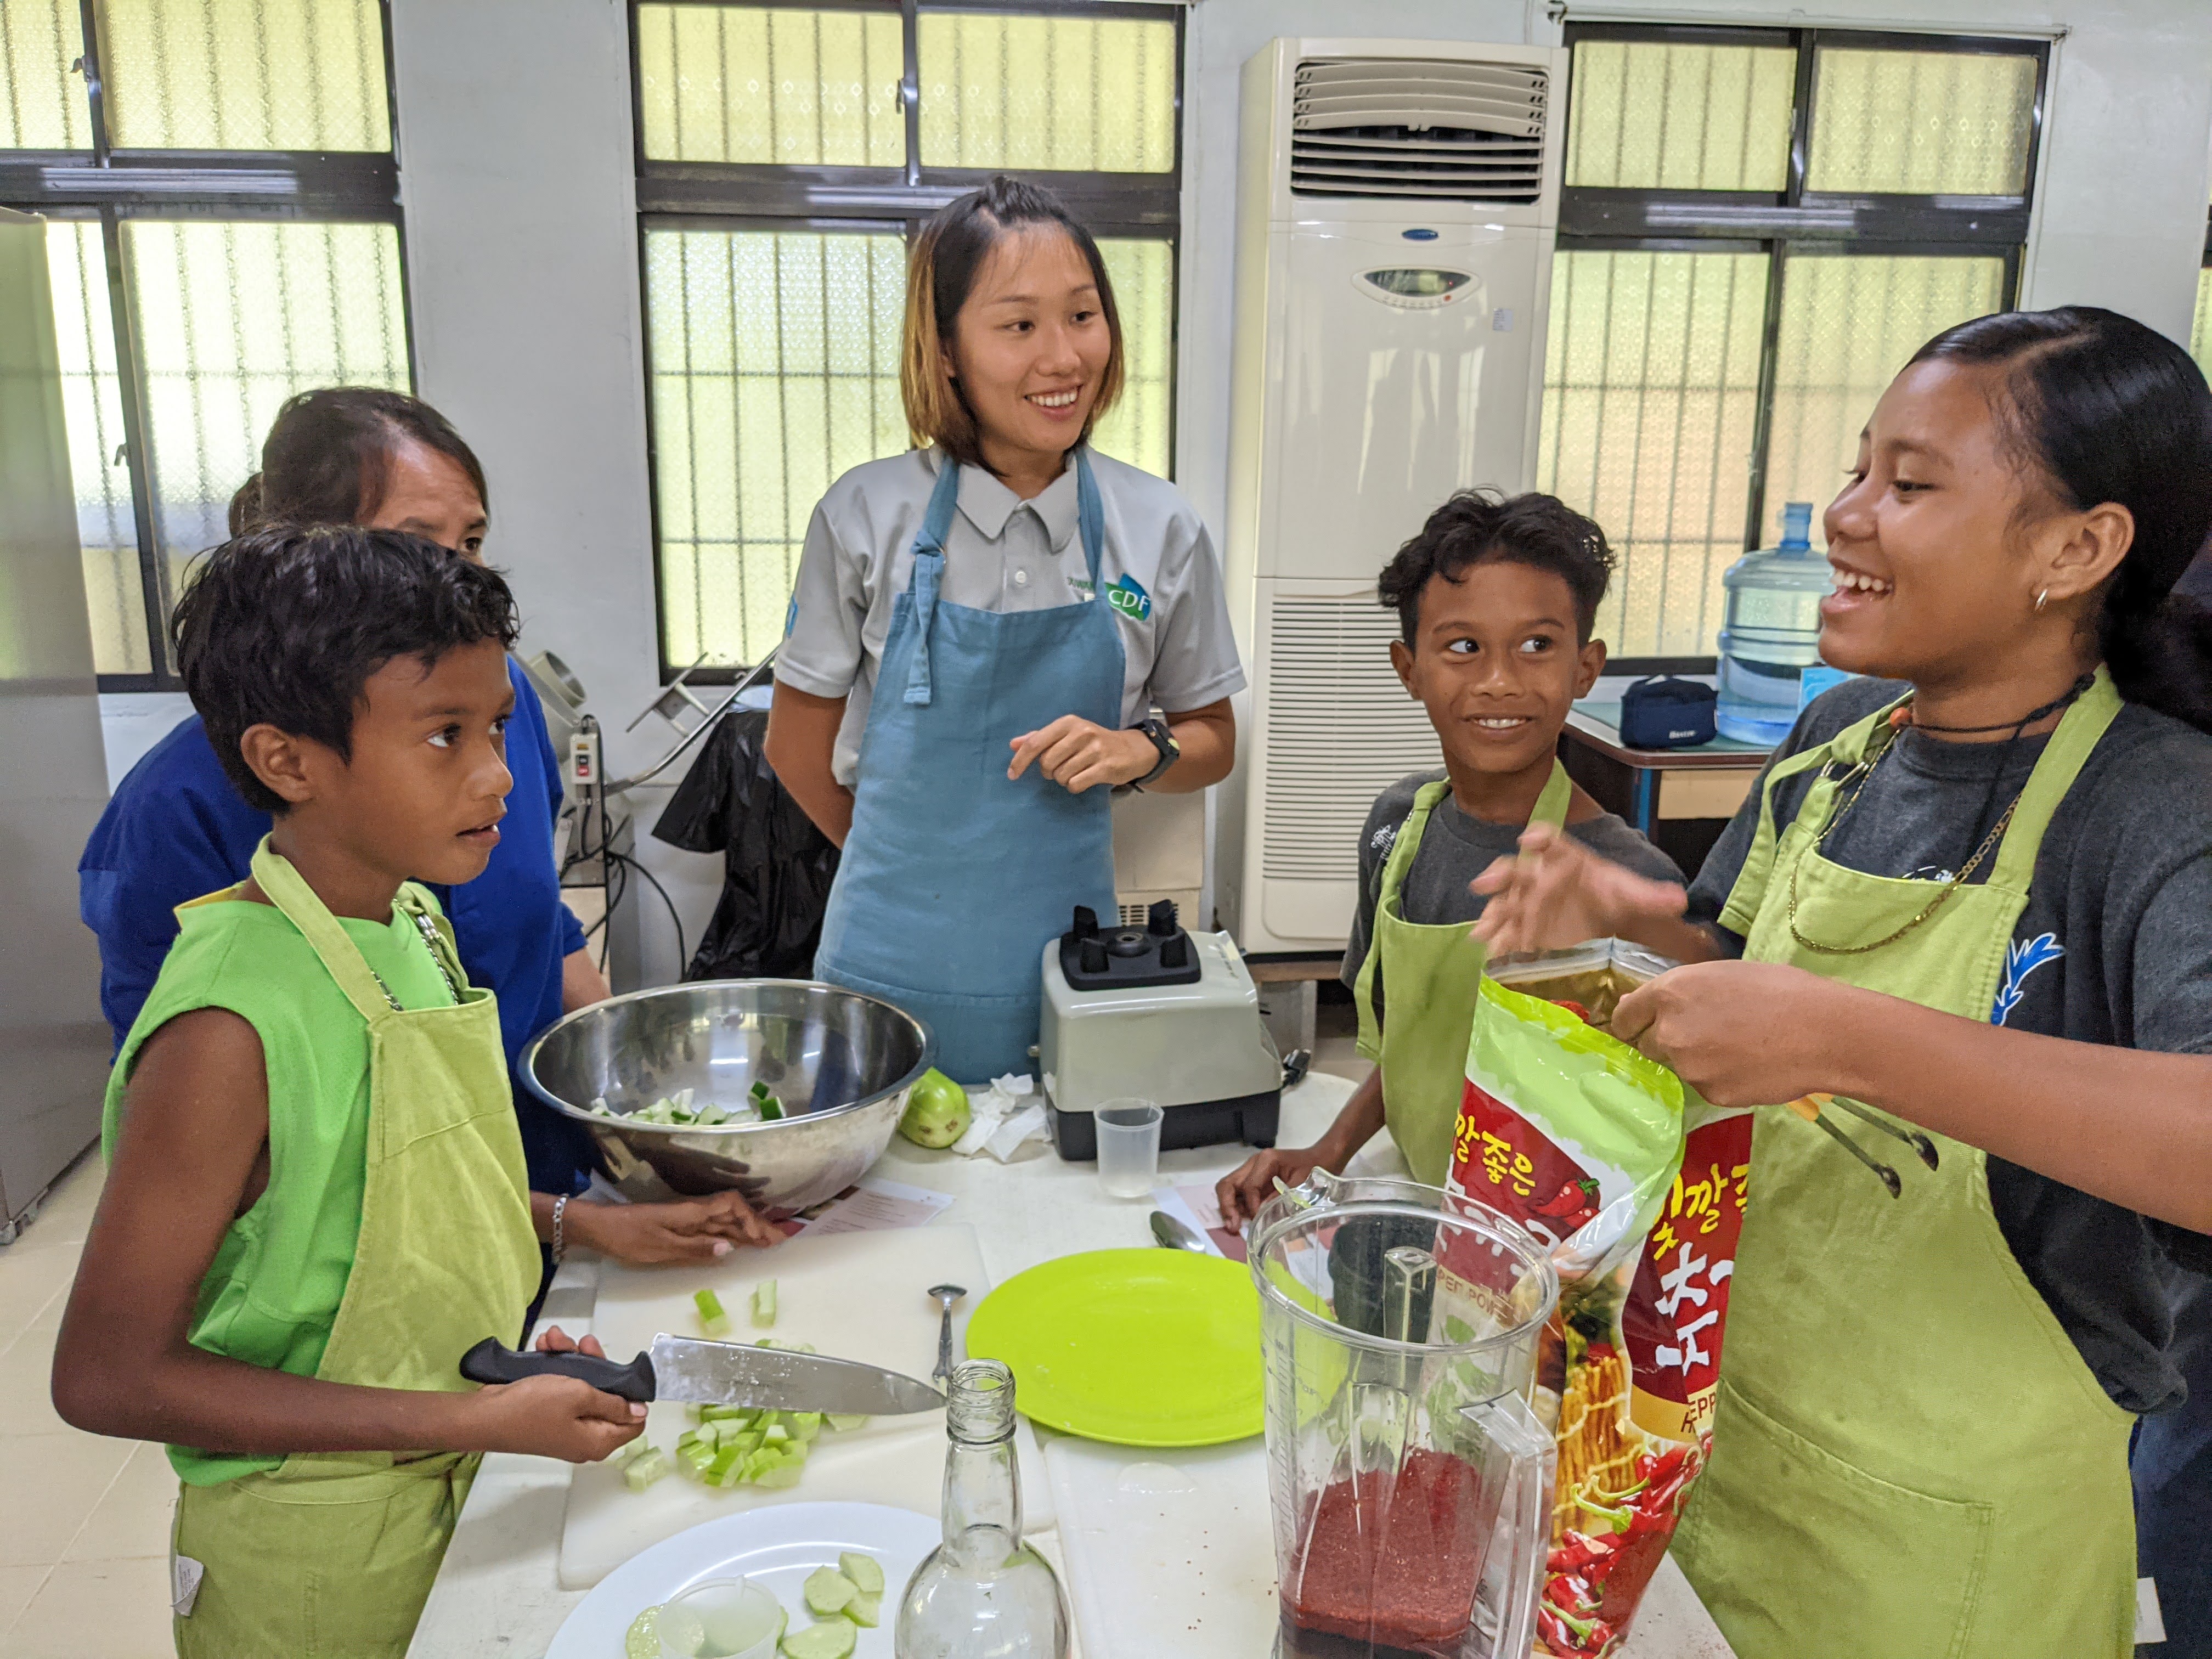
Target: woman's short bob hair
{"x": 941, "y": 273}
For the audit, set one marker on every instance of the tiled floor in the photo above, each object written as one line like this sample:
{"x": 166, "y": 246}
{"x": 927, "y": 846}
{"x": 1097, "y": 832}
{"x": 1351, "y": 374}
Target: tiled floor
{"x": 84, "y": 1522}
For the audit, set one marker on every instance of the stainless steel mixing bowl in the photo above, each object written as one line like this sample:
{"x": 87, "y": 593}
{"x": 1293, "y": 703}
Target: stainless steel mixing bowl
{"x": 842, "y": 1064}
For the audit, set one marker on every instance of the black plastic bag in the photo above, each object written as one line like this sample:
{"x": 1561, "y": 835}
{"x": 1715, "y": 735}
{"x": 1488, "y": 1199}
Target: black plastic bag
{"x": 776, "y": 865}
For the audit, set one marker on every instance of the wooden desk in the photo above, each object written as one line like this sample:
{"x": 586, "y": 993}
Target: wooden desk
{"x": 1680, "y": 798}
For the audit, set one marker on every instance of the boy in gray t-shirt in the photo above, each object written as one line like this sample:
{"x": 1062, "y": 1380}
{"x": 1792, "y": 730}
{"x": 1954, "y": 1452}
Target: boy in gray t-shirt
{"x": 1457, "y": 847}
{"x": 1496, "y": 600}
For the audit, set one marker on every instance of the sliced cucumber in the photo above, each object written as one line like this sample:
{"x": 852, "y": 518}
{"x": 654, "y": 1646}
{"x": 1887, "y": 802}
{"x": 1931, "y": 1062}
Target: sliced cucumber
{"x": 712, "y": 1319}
{"x": 643, "y": 1641}
{"x": 864, "y": 1571}
{"x": 641, "y": 1472}
{"x": 829, "y": 1591}
{"x": 833, "y": 1638}
{"x": 844, "y": 1422}
{"x": 764, "y": 1304}
{"x": 866, "y": 1611}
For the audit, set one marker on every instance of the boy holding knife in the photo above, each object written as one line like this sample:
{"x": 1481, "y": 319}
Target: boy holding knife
{"x": 316, "y": 1199}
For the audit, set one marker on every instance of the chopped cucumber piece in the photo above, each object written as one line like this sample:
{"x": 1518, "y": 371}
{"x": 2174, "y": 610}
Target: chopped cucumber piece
{"x": 712, "y": 1319}
{"x": 805, "y": 1425}
{"x": 864, "y": 1571}
{"x": 641, "y": 1472}
{"x": 834, "y": 1639}
{"x": 782, "y": 1478}
{"x": 643, "y": 1641}
{"x": 764, "y": 1304}
{"x": 866, "y": 1611}
{"x": 844, "y": 1422}
{"x": 828, "y": 1591}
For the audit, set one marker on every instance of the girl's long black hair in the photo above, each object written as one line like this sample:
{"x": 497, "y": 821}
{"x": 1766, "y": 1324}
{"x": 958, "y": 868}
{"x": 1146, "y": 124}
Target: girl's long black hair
{"x": 2111, "y": 411}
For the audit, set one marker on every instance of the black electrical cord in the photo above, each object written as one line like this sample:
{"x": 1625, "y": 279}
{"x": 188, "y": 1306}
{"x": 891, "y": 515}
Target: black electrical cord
{"x": 629, "y": 863}
{"x": 617, "y": 866}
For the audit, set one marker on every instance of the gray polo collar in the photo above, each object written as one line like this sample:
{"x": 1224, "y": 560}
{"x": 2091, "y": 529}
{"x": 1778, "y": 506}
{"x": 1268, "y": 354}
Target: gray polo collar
{"x": 987, "y": 504}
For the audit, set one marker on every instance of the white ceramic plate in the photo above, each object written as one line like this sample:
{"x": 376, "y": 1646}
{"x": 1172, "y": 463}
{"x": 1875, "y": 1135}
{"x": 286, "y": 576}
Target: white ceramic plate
{"x": 776, "y": 1547}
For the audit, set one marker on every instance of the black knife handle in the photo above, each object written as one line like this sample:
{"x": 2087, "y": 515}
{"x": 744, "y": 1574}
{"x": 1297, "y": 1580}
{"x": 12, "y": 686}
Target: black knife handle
{"x": 490, "y": 1362}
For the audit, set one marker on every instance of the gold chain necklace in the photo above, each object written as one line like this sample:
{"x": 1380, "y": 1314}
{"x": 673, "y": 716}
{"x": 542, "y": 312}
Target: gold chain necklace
{"x": 1859, "y": 776}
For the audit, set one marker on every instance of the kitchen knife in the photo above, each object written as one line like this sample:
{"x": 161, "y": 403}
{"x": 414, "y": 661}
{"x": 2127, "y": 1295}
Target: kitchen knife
{"x": 682, "y": 1368}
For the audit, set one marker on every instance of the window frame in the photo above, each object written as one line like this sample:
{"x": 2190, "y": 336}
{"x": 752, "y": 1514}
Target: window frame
{"x": 112, "y": 185}
{"x": 777, "y": 197}
{"x": 1797, "y": 221}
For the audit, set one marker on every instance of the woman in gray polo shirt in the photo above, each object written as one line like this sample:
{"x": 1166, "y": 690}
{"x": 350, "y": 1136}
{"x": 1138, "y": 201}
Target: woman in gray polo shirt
{"x": 954, "y": 702}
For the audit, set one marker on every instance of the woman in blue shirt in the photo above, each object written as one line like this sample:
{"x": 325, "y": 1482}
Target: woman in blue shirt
{"x": 176, "y": 830}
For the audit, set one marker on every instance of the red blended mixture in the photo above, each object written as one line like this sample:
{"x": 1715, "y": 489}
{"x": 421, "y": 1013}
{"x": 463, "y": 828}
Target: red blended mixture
{"x": 1392, "y": 1564}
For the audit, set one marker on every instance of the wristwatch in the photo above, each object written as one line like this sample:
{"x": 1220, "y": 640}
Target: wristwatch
{"x": 1164, "y": 740}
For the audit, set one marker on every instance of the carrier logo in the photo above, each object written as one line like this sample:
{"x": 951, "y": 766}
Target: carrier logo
{"x": 1129, "y": 597}
{"x": 2022, "y": 957}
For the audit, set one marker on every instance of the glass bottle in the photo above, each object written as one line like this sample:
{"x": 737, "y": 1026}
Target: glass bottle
{"x": 982, "y": 1594}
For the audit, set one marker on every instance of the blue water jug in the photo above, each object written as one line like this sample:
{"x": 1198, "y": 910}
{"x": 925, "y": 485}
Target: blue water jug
{"x": 1772, "y": 632}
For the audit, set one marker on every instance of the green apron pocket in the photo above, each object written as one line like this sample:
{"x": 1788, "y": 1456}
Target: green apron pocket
{"x": 1776, "y": 1508}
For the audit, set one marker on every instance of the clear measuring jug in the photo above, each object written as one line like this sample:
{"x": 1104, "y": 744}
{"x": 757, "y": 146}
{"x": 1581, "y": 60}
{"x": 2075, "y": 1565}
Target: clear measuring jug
{"x": 1411, "y": 1485}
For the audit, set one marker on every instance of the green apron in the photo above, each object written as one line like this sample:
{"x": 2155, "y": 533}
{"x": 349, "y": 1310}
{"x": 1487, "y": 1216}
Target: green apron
{"x": 1910, "y": 1459}
{"x": 332, "y": 1555}
{"x": 1434, "y": 971}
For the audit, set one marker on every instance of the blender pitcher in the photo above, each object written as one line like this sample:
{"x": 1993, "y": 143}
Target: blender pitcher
{"x": 1411, "y": 1485}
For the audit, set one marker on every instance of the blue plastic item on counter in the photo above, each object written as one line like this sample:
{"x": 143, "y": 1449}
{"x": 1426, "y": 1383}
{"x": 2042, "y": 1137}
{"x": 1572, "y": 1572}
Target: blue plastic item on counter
{"x": 1772, "y": 632}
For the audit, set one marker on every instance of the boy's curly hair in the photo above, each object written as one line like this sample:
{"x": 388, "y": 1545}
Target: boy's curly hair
{"x": 284, "y": 626}
{"x": 1481, "y": 526}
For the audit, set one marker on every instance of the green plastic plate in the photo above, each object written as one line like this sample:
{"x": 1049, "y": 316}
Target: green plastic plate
{"x": 1135, "y": 1347}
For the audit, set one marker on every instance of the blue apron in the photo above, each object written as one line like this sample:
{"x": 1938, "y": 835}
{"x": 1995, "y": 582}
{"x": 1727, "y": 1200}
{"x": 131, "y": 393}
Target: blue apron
{"x": 954, "y": 876}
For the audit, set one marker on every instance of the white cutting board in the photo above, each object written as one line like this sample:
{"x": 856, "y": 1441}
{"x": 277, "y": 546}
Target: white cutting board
{"x": 1170, "y": 1554}
{"x": 856, "y": 1296}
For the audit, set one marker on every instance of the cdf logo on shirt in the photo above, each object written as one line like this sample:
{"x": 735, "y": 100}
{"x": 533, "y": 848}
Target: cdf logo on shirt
{"x": 1128, "y": 596}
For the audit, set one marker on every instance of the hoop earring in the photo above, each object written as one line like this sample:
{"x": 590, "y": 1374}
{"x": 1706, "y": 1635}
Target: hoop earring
{"x": 2039, "y": 598}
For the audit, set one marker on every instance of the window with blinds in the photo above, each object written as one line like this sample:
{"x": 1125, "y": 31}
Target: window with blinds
{"x": 190, "y": 302}
{"x": 1758, "y": 229}
{"x": 780, "y": 177}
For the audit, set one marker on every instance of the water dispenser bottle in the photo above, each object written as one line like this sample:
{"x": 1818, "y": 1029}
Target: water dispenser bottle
{"x": 1772, "y": 633}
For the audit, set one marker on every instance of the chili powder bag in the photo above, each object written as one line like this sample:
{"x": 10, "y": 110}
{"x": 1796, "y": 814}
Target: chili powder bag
{"x": 1637, "y": 1186}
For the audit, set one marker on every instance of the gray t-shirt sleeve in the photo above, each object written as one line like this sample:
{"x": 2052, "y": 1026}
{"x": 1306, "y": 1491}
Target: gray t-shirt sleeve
{"x": 822, "y": 650}
{"x": 1196, "y": 661}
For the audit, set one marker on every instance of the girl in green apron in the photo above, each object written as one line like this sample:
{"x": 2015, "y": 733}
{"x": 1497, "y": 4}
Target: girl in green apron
{"x": 316, "y": 1200}
{"x": 1973, "y": 892}
{"x": 1496, "y": 599}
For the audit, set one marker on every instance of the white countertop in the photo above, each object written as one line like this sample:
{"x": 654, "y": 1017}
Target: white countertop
{"x": 497, "y": 1597}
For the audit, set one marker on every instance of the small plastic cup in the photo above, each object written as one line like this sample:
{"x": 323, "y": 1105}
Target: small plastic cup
{"x": 721, "y": 1619}
{"x": 1128, "y": 1147}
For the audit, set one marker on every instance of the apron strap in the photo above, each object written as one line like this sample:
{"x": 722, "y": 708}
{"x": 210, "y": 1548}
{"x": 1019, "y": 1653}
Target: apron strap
{"x": 2079, "y": 729}
{"x": 1090, "y": 515}
{"x": 1551, "y": 808}
{"x": 1848, "y": 746}
{"x": 289, "y": 892}
{"x": 928, "y": 570}
{"x": 1394, "y": 880}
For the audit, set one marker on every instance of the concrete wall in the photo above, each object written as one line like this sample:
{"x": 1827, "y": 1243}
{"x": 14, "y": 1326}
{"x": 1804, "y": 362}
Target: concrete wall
{"x": 516, "y": 157}
{"x": 518, "y": 179}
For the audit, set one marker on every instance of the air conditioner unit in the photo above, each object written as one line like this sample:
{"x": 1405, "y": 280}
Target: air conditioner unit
{"x": 1396, "y": 206}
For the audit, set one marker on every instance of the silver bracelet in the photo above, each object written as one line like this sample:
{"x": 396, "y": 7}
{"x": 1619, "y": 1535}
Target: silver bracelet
{"x": 560, "y": 1240}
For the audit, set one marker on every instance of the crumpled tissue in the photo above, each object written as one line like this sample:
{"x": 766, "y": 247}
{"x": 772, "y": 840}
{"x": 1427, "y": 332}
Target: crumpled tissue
{"x": 1003, "y": 1118}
